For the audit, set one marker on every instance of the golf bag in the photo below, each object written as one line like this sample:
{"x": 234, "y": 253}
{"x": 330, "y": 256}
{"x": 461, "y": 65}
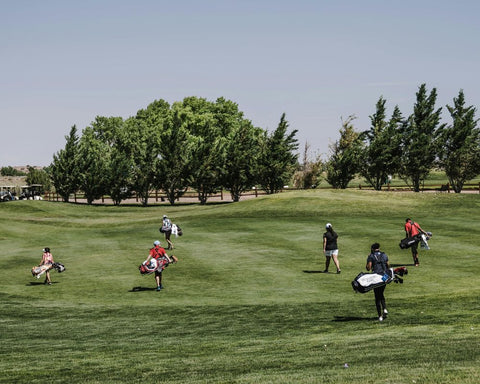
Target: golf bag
{"x": 419, "y": 238}
{"x": 365, "y": 282}
{"x": 156, "y": 265}
{"x": 39, "y": 270}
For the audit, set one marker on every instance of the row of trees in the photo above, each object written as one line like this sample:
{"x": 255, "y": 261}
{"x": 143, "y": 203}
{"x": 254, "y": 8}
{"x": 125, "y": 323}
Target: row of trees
{"x": 198, "y": 144}
{"x": 409, "y": 147}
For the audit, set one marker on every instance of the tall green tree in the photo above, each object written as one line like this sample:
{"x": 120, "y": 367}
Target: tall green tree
{"x": 64, "y": 170}
{"x": 93, "y": 165}
{"x": 241, "y": 158}
{"x": 110, "y": 130}
{"x": 144, "y": 136}
{"x": 344, "y": 160}
{"x": 174, "y": 166}
{"x": 459, "y": 144}
{"x": 381, "y": 154}
{"x": 419, "y": 139}
{"x": 277, "y": 159}
{"x": 208, "y": 149}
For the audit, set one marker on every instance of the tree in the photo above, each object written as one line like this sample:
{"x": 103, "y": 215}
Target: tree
{"x": 308, "y": 174}
{"x": 381, "y": 154}
{"x": 459, "y": 144}
{"x": 110, "y": 130}
{"x": 93, "y": 165}
{"x": 39, "y": 176}
{"x": 242, "y": 150}
{"x": 10, "y": 171}
{"x": 64, "y": 170}
{"x": 277, "y": 159}
{"x": 144, "y": 133}
{"x": 208, "y": 146}
{"x": 343, "y": 163}
{"x": 174, "y": 163}
{"x": 418, "y": 139}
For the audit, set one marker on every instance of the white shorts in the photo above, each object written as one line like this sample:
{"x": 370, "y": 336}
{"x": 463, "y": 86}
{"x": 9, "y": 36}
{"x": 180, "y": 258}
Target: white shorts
{"x": 333, "y": 252}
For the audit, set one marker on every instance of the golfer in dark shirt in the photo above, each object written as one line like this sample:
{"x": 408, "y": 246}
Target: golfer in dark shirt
{"x": 377, "y": 261}
{"x": 330, "y": 247}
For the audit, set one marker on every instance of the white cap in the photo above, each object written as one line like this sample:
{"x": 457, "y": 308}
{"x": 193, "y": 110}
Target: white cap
{"x": 156, "y": 242}
{"x": 328, "y": 225}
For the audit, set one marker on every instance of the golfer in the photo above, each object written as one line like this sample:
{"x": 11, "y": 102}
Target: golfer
{"x": 412, "y": 229}
{"x": 377, "y": 261}
{"x": 47, "y": 259}
{"x": 157, "y": 252}
{"x": 167, "y": 230}
{"x": 330, "y": 247}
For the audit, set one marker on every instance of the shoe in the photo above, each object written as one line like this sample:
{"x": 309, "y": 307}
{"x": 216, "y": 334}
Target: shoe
{"x": 159, "y": 288}
{"x": 49, "y": 283}
{"x": 416, "y": 265}
{"x": 325, "y": 271}
{"x": 380, "y": 318}
{"x": 339, "y": 271}
{"x": 385, "y": 313}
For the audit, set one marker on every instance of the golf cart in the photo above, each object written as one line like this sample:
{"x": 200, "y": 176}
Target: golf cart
{"x": 31, "y": 192}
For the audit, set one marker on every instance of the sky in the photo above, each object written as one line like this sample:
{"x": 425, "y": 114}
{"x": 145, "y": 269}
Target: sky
{"x": 64, "y": 62}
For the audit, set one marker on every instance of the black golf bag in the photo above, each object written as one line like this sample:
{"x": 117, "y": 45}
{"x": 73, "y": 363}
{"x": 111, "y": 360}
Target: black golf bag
{"x": 365, "y": 282}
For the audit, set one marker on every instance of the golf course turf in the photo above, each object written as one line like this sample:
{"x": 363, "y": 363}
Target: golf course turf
{"x": 246, "y": 303}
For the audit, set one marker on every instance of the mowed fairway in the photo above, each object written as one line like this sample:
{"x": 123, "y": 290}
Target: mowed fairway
{"x": 246, "y": 302}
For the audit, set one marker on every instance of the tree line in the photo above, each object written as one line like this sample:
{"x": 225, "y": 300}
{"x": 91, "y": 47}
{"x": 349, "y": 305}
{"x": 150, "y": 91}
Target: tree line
{"x": 198, "y": 144}
{"x": 210, "y": 146}
{"x": 409, "y": 147}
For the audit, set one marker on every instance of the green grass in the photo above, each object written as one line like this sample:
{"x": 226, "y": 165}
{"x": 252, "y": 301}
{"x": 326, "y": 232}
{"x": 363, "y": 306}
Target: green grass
{"x": 245, "y": 304}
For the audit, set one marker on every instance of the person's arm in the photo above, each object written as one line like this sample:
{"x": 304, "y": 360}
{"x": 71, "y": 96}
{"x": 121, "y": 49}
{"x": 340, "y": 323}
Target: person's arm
{"x": 369, "y": 265}
{"x": 324, "y": 243}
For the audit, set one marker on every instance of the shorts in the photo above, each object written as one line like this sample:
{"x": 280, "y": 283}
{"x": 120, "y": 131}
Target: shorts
{"x": 331, "y": 252}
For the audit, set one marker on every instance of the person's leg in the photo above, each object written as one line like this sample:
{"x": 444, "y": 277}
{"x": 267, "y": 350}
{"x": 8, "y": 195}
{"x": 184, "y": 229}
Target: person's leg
{"x": 47, "y": 278}
{"x": 327, "y": 263}
{"x": 378, "y": 293}
{"x": 167, "y": 238}
{"x": 415, "y": 254}
{"x": 382, "y": 300}
{"x": 158, "y": 280}
{"x": 336, "y": 262}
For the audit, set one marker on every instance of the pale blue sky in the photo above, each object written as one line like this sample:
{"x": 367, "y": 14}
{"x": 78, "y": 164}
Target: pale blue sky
{"x": 63, "y": 62}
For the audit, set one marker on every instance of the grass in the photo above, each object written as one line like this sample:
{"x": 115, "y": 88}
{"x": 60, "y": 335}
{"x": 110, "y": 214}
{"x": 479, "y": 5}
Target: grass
{"x": 246, "y": 303}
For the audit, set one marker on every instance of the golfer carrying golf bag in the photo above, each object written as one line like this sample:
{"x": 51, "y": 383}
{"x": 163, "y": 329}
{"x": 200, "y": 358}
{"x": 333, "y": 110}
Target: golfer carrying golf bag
{"x": 412, "y": 230}
{"x": 377, "y": 261}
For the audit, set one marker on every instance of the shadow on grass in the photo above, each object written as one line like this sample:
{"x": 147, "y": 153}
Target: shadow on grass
{"x": 306, "y": 271}
{"x": 352, "y": 318}
{"x": 39, "y": 283}
{"x": 141, "y": 289}
{"x": 401, "y": 265}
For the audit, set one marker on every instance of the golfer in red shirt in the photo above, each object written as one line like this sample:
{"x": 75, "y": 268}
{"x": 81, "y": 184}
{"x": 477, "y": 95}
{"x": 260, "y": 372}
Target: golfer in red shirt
{"x": 412, "y": 229}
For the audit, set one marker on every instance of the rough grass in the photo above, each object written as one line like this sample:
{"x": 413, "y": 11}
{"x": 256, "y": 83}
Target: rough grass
{"x": 246, "y": 303}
